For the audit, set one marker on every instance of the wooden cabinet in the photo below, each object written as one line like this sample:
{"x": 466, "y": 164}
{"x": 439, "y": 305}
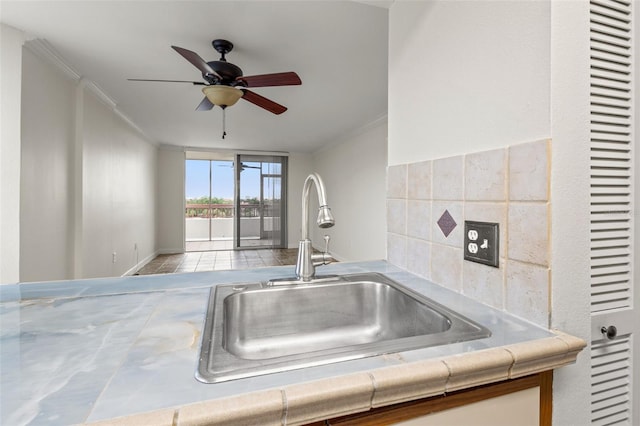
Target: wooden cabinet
{"x": 524, "y": 401}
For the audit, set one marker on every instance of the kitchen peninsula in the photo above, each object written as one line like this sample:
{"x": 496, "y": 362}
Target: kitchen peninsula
{"x": 96, "y": 350}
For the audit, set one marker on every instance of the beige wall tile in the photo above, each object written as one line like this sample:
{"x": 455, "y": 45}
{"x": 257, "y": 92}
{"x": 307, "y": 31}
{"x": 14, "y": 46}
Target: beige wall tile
{"x": 408, "y": 382}
{"x": 455, "y": 238}
{"x": 484, "y": 283}
{"x": 507, "y": 186}
{"x": 419, "y": 181}
{"x": 397, "y": 216}
{"x": 529, "y": 171}
{"x": 485, "y": 175}
{"x": 419, "y": 257}
{"x": 528, "y": 233}
{"x": 478, "y": 368}
{"x": 397, "y": 181}
{"x": 448, "y": 178}
{"x": 309, "y": 402}
{"x": 397, "y": 250}
{"x": 259, "y": 408}
{"x": 446, "y": 266}
{"x": 527, "y": 292}
{"x": 419, "y": 219}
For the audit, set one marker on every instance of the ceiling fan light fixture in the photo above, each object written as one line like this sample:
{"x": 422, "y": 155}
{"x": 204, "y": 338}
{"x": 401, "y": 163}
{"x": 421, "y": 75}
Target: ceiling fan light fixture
{"x": 222, "y": 95}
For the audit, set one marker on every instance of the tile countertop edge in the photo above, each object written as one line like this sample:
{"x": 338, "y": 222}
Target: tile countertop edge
{"x": 358, "y": 392}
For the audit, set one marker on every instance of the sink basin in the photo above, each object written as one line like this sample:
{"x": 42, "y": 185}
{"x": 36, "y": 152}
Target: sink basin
{"x": 253, "y": 329}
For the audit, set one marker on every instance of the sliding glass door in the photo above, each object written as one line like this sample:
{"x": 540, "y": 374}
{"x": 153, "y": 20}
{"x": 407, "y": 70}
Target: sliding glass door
{"x": 209, "y": 205}
{"x": 260, "y": 201}
{"x": 234, "y": 201}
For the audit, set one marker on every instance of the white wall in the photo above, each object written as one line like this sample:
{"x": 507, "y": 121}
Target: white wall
{"x": 88, "y": 184}
{"x": 10, "y": 99}
{"x": 570, "y": 240}
{"x": 300, "y": 166}
{"x": 119, "y": 192}
{"x": 466, "y": 76}
{"x": 170, "y": 231}
{"x": 354, "y": 172}
{"x": 469, "y": 76}
{"x": 46, "y": 231}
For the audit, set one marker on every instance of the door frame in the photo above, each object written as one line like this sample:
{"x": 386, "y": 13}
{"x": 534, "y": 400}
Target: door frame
{"x": 283, "y": 160}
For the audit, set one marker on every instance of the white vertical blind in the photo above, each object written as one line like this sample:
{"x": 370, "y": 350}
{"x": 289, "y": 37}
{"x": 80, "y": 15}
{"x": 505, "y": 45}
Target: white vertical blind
{"x": 611, "y": 155}
{"x": 610, "y": 381}
{"x": 611, "y": 138}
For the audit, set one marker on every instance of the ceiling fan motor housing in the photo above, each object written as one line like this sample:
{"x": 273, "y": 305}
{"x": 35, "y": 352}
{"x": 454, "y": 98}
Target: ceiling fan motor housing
{"x": 228, "y": 71}
{"x": 222, "y": 46}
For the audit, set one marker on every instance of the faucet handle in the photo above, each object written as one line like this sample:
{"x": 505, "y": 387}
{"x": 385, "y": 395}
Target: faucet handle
{"x": 322, "y": 258}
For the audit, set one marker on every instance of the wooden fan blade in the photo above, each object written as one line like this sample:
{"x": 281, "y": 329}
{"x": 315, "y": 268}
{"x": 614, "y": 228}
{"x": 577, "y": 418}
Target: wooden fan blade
{"x": 196, "y": 60}
{"x": 263, "y": 102}
{"x": 197, "y": 83}
{"x": 277, "y": 79}
{"x": 205, "y": 105}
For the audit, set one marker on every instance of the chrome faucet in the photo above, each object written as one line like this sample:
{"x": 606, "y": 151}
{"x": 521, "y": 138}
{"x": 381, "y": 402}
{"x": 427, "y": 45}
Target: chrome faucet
{"x": 307, "y": 262}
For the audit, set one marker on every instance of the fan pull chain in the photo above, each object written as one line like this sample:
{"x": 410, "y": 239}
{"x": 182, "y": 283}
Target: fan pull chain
{"x": 224, "y": 122}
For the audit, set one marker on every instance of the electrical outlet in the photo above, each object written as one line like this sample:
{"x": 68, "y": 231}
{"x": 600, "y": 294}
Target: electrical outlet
{"x": 481, "y": 242}
{"x": 113, "y": 257}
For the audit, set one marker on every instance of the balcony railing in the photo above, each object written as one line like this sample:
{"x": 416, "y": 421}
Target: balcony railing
{"x": 220, "y": 210}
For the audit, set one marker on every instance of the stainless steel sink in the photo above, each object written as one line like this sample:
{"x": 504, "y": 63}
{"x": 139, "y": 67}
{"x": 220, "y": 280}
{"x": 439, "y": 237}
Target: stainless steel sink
{"x": 254, "y": 329}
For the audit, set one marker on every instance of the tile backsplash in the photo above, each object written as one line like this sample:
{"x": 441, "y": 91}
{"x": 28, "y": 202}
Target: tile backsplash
{"x": 509, "y": 186}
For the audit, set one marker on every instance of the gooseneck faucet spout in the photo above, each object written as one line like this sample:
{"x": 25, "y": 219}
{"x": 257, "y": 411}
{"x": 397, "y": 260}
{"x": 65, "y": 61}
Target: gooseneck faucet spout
{"x": 307, "y": 262}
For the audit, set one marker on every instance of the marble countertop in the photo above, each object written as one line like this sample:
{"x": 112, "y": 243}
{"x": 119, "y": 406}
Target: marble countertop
{"x": 90, "y": 350}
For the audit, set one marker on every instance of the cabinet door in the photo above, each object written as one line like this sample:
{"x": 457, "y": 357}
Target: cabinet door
{"x": 519, "y": 408}
{"x": 524, "y": 401}
{"x": 613, "y": 214}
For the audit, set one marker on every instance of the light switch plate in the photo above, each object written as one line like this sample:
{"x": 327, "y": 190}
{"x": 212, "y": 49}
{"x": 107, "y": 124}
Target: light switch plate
{"x": 481, "y": 242}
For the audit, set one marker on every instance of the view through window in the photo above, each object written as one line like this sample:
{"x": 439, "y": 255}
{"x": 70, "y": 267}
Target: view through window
{"x": 230, "y": 207}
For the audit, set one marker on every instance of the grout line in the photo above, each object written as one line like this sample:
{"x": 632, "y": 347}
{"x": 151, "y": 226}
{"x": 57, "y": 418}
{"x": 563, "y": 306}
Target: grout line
{"x": 513, "y": 362}
{"x": 505, "y": 232}
{"x": 285, "y": 407}
{"x": 375, "y": 389}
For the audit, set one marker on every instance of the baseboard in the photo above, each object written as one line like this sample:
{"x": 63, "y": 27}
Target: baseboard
{"x": 140, "y": 264}
{"x": 171, "y": 251}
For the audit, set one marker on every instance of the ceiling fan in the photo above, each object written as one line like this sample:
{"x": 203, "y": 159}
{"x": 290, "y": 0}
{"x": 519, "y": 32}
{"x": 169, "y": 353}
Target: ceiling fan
{"x": 243, "y": 166}
{"x": 224, "y": 83}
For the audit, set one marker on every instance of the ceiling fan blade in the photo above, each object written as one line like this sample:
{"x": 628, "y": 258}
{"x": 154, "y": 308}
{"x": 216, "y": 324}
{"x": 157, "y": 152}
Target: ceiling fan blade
{"x": 205, "y": 105}
{"x": 196, "y": 60}
{"x": 263, "y": 102}
{"x": 197, "y": 83}
{"x": 278, "y": 79}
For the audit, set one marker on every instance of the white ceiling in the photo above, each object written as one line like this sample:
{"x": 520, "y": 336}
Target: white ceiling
{"x": 338, "y": 48}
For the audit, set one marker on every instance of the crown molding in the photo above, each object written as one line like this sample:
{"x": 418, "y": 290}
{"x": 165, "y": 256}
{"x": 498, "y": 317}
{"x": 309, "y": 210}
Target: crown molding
{"x": 45, "y": 50}
{"x": 100, "y": 94}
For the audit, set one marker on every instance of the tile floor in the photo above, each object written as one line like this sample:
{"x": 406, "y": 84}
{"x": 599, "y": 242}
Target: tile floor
{"x": 218, "y": 260}
{"x": 226, "y": 244}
